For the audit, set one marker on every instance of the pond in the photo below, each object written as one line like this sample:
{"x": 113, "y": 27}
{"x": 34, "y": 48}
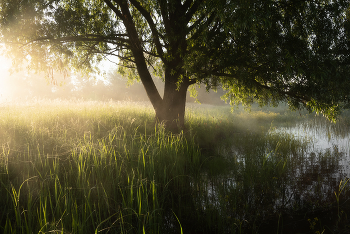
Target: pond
{"x": 295, "y": 174}
{"x": 323, "y": 138}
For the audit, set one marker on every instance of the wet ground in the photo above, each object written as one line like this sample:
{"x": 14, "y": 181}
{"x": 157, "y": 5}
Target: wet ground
{"x": 305, "y": 190}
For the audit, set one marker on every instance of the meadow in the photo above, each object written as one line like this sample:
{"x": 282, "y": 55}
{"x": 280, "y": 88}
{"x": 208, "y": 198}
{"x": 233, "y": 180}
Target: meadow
{"x": 106, "y": 167}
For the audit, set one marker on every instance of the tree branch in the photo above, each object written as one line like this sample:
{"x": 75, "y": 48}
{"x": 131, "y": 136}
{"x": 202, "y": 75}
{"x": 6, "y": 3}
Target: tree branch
{"x": 192, "y": 10}
{"x": 114, "y": 9}
{"x": 152, "y": 26}
{"x": 137, "y": 52}
{"x": 87, "y": 37}
{"x": 202, "y": 27}
{"x": 165, "y": 15}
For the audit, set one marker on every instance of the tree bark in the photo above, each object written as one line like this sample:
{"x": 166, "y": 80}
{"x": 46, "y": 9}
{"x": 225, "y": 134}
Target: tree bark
{"x": 172, "y": 112}
{"x": 170, "y": 109}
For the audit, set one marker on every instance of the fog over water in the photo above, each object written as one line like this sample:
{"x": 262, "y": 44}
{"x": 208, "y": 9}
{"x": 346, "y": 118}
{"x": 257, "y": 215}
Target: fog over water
{"x": 321, "y": 139}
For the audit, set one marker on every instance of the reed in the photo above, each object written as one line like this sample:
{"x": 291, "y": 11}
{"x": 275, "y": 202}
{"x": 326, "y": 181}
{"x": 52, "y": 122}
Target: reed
{"x": 94, "y": 167}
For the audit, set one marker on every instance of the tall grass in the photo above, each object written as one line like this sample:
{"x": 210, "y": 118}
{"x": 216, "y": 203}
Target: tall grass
{"x": 93, "y": 167}
{"x": 88, "y": 167}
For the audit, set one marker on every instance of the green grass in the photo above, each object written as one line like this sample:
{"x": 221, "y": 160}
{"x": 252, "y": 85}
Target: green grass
{"x": 94, "y": 167}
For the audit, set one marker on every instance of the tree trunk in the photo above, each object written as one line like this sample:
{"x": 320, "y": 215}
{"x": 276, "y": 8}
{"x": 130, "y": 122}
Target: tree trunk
{"x": 170, "y": 109}
{"x": 172, "y": 112}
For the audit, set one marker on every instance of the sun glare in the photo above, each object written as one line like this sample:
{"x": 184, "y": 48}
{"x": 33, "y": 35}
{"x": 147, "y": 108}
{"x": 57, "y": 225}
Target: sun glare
{"x": 5, "y": 65}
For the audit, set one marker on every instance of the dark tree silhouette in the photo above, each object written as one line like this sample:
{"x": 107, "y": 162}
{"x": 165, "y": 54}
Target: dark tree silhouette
{"x": 264, "y": 50}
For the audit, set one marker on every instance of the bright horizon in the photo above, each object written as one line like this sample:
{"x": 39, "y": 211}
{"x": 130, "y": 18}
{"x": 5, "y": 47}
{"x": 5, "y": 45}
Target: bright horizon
{"x": 5, "y": 90}
{"x": 8, "y": 88}
{"x": 16, "y": 87}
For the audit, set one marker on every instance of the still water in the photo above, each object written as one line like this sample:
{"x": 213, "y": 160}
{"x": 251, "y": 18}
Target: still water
{"x": 303, "y": 176}
{"x": 323, "y": 138}
{"x": 284, "y": 179}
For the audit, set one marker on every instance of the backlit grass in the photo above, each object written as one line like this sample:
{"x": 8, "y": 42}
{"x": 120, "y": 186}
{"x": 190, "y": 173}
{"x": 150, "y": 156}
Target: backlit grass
{"x": 94, "y": 167}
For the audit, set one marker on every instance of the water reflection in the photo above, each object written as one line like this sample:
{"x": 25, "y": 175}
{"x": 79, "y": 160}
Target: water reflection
{"x": 286, "y": 170}
{"x": 325, "y": 138}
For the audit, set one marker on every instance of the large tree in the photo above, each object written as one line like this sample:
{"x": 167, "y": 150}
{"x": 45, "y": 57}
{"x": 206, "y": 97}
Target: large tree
{"x": 264, "y": 50}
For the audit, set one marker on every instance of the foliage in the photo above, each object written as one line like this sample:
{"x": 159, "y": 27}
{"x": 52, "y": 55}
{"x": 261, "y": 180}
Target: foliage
{"x": 264, "y": 50}
{"x": 269, "y": 51}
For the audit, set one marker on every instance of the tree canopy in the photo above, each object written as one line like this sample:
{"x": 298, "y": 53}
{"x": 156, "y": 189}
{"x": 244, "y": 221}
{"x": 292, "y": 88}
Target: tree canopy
{"x": 259, "y": 50}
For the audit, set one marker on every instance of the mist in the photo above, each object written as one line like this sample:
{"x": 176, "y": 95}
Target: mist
{"x": 25, "y": 85}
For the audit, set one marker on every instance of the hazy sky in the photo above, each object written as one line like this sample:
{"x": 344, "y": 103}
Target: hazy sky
{"x": 26, "y": 84}
{"x": 11, "y": 87}
{"x": 4, "y": 74}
